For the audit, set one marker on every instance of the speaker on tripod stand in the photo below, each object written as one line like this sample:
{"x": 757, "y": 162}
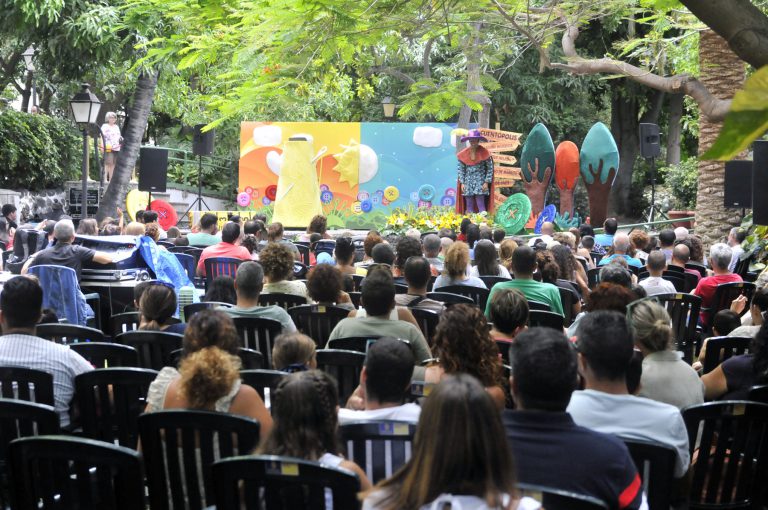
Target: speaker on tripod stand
{"x": 202, "y": 145}
{"x": 650, "y": 149}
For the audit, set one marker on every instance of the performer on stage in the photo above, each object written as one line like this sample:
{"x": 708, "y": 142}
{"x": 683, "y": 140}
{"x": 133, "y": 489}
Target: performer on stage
{"x": 475, "y": 172}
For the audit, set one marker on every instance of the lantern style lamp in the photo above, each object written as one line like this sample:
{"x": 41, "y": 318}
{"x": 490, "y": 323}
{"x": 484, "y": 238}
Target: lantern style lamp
{"x": 389, "y": 107}
{"x": 85, "y": 108}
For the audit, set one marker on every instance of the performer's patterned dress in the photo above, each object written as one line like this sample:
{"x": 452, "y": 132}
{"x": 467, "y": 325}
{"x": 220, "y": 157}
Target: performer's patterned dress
{"x": 473, "y": 176}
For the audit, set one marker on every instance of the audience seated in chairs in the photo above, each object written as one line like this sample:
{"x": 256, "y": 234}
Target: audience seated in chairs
{"x": 21, "y": 303}
{"x": 371, "y": 240}
{"x": 665, "y": 376}
{"x": 344, "y": 255}
{"x": 157, "y": 307}
{"x": 277, "y": 261}
{"x": 463, "y": 344}
{"x": 380, "y": 317}
{"x": 506, "y": 249}
{"x": 639, "y": 240}
{"x": 448, "y": 469}
{"x": 383, "y": 253}
{"x": 570, "y": 270}
{"x": 249, "y": 282}
{"x": 719, "y": 258}
{"x": 524, "y": 264}
{"x": 667, "y": 239}
{"x": 305, "y": 422}
{"x": 681, "y": 254}
{"x": 417, "y": 274}
{"x": 508, "y": 313}
{"x": 221, "y": 290}
{"x": 432, "y": 246}
{"x": 655, "y": 284}
{"x": 317, "y": 225}
{"x": 228, "y": 247}
{"x": 543, "y": 437}
{"x": 487, "y": 261}
{"x": 406, "y": 248}
{"x": 549, "y": 271}
{"x": 208, "y": 378}
{"x": 325, "y": 285}
{"x": 605, "y": 405}
{"x": 207, "y": 235}
{"x": 733, "y": 378}
{"x": 621, "y": 247}
{"x": 455, "y": 269}
{"x": 385, "y": 383}
{"x": 294, "y": 352}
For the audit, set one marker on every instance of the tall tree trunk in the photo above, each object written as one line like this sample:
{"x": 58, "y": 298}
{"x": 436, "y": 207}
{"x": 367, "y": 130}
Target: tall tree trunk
{"x": 722, "y": 72}
{"x": 27, "y": 93}
{"x": 133, "y": 131}
{"x": 624, "y": 112}
{"x": 474, "y": 86}
{"x": 674, "y": 128}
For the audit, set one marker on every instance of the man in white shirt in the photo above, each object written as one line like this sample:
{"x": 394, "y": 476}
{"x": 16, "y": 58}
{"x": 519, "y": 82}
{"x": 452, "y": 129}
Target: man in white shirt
{"x": 605, "y": 349}
{"x": 385, "y": 383}
{"x": 655, "y": 284}
{"x": 735, "y": 237}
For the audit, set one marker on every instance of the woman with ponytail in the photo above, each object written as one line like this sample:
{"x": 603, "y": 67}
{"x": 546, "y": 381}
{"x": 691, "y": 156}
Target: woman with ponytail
{"x": 305, "y": 407}
{"x": 157, "y": 306}
{"x": 208, "y": 377}
{"x": 666, "y": 377}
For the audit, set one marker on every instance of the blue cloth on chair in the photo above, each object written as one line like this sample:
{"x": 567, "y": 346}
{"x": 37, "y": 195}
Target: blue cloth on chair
{"x": 165, "y": 266}
{"x": 62, "y": 294}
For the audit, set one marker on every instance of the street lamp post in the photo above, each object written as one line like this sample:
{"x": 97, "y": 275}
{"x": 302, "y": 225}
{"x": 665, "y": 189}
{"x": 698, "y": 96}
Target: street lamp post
{"x": 85, "y": 108}
{"x": 28, "y": 55}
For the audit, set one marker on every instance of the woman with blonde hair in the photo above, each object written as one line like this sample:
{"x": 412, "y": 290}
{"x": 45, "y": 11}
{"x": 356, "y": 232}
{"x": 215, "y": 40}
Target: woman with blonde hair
{"x": 666, "y": 377}
{"x": 455, "y": 268}
{"x": 506, "y": 249}
{"x": 294, "y": 352}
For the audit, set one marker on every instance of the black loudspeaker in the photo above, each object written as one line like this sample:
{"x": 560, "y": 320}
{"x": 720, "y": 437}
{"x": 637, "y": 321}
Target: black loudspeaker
{"x": 760, "y": 182}
{"x": 153, "y": 169}
{"x": 738, "y": 184}
{"x": 650, "y": 146}
{"x": 202, "y": 143}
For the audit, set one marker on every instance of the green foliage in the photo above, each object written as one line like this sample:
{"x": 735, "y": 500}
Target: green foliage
{"x": 682, "y": 180}
{"x": 747, "y": 120}
{"x": 37, "y": 151}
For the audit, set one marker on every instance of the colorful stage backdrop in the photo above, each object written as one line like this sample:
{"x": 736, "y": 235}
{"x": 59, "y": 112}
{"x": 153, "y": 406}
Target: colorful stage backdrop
{"x": 364, "y": 170}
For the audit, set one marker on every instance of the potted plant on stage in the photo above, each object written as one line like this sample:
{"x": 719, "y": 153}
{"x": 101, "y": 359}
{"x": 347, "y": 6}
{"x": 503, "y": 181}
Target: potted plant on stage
{"x": 682, "y": 182}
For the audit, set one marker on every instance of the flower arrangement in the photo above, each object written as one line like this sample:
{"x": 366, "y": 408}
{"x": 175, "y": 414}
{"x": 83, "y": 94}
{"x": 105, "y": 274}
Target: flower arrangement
{"x": 430, "y": 219}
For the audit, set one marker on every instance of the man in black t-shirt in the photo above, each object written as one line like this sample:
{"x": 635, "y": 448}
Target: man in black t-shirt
{"x": 64, "y": 253}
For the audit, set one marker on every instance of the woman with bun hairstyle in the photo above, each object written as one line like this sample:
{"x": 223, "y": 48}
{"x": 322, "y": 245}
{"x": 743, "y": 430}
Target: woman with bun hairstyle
{"x": 666, "y": 377}
{"x": 208, "y": 377}
{"x": 156, "y": 308}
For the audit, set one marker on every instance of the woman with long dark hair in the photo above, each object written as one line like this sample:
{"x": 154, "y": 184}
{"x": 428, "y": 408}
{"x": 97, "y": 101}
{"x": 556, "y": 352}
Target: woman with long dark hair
{"x": 487, "y": 261}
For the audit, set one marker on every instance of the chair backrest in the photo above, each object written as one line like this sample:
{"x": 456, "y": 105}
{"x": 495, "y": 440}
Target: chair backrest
{"x": 317, "y": 321}
{"x": 23, "y": 419}
{"x": 192, "y": 309}
{"x": 110, "y": 401}
{"x": 356, "y": 298}
{"x": 478, "y": 295}
{"x": 344, "y": 366}
{"x": 300, "y": 270}
{"x": 568, "y": 298}
{"x": 595, "y": 256}
{"x": 702, "y": 269}
{"x": 220, "y": 266}
{"x": 449, "y": 298}
{"x": 61, "y": 291}
{"x": 26, "y": 384}
{"x": 503, "y": 346}
{"x": 352, "y": 343}
{"x": 187, "y": 261}
{"x": 379, "y": 447}
{"x": 544, "y": 319}
{"x": 759, "y": 394}
{"x": 249, "y": 359}
{"x": 401, "y": 288}
{"x": 107, "y": 355}
{"x": 180, "y": 446}
{"x": 69, "y": 333}
{"x": 122, "y": 322}
{"x": 593, "y": 277}
{"x": 490, "y": 281}
{"x": 269, "y": 482}
{"x": 304, "y": 252}
{"x": 720, "y": 348}
{"x": 154, "y": 347}
{"x": 655, "y": 463}
{"x": 285, "y": 301}
{"x": 263, "y": 381}
{"x": 684, "y": 310}
{"x": 195, "y": 252}
{"x": 357, "y": 281}
{"x": 427, "y": 321}
{"x": 725, "y": 293}
{"x": 731, "y": 441}
{"x": 258, "y": 334}
{"x": 555, "y": 499}
{"x": 538, "y": 305}
{"x": 677, "y": 279}
{"x": 78, "y": 473}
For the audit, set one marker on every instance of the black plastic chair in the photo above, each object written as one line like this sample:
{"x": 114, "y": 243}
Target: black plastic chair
{"x": 357, "y": 281}
{"x": 304, "y": 252}
{"x": 317, "y": 321}
{"x": 490, "y": 281}
{"x": 595, "y": 256}
{"x": 697, "y": 267}
{"x": 285, "y": 301}
{"x": 261, "y": 380}
{"x": 759, "y": 394}
{"x": 478, "y": 295}
{"x": 568, "y": 298}
{"x": 192, "y": 309}
{"x": 344, "y": 366}
{"x": 258, "y": 334}
{"x": 68, "y": 333}
{"x": 427, "y": 321}
{"x": 655, "y": 464}
{"x": 187, "y": 261}
{"x": 593, "y": 277}
{"x": 389, "y": 443}
{"x": 674, "y": 277}
{"x": 268, "y": 482}
{"x": 110, "y": 401}
{"x": 107, "y": 355}
{"x": 154, "y": 347}
{"x": 503, "y": 346}
{"x": 555, "y": 499}
{"x": 538, "y": 305}
{"x": 684, "y": 310}
{"x": 249, "y": 359}
{"x": 300, "y": 270}
{"x": 720, "y": 348}
{"x": 543, "y": 319}
{"x": 727, "y": 292}
{"x": 353, "y": 343}
{"x": 74, "y": 473}
{"x": 401, "y": 288}
{"x": 730, "y": 439}
{"x": 220, "y": 266}
{"x": 356, "y": 298}
{"x": 450, "y": 298}
{"x": 122, "y": 322}
{"x": 26, "y": 384}
{"x": 179, "y": 448}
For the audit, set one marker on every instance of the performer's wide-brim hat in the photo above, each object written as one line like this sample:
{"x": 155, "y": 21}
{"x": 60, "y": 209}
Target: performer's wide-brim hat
{"x": 473, "y": 134}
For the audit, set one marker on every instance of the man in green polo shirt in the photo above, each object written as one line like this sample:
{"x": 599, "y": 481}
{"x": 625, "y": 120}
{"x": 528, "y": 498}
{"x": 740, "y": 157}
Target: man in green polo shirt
{"x": 207, "y": 235}
{"x": 524, "y": 263}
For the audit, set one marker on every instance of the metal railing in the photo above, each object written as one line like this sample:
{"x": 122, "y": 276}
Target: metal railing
{"x": 632, "y": 226}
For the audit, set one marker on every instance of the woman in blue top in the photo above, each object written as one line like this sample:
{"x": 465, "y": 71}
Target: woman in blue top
{"x": 475, "y": 172}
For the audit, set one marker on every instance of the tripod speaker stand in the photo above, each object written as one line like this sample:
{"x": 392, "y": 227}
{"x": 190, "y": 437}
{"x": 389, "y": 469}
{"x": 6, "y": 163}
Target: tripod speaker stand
{"x": 650, "y": 149}
{"x": 202, "y": 145}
